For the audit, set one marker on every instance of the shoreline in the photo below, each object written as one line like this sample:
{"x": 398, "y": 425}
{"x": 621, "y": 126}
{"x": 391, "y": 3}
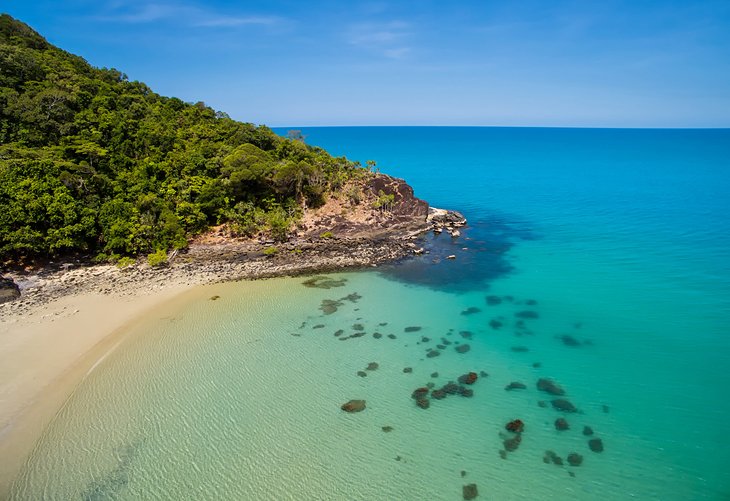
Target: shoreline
{"x": 71, "y": 315}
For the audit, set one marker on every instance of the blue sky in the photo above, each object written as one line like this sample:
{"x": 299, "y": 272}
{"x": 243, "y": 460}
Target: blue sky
{"x": 605, "y": 63}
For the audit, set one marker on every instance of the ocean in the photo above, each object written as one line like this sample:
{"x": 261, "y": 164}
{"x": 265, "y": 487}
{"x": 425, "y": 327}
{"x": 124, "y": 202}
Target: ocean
{"x": 595, "y": 260}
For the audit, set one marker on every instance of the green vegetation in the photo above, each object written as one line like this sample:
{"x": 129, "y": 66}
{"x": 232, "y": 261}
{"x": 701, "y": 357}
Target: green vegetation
{"x": 270, "y": 251}
{"x": 158, "y": 258}
{"x": 326, "y": 234}
{"x": 91, "y": 162}
{"x": 384, "y": 201}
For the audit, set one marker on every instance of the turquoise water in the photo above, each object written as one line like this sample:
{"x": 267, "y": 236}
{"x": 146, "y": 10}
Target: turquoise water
{"x": 617, "y": 240}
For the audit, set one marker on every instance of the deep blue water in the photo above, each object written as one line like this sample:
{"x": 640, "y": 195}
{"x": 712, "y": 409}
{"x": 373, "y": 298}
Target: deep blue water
{"x": 625, "y": 232}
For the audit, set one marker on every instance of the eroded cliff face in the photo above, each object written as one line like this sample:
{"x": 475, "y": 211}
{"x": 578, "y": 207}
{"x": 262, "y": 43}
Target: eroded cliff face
{"x": 405, "y": 203}
{"x": 369, "y": 207}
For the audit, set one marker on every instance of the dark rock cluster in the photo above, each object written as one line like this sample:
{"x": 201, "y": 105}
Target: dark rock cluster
{"x": 549, "y": 386}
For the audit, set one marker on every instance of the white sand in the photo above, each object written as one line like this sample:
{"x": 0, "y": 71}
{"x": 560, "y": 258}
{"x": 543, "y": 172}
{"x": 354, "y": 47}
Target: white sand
{"x": 45, "y": 352}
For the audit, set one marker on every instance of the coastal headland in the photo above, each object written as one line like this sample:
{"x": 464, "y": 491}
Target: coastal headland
{"x": 71, "y": 313}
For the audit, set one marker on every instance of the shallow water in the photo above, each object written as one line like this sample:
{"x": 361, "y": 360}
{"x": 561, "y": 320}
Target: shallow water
{"x": 620, "y": 237}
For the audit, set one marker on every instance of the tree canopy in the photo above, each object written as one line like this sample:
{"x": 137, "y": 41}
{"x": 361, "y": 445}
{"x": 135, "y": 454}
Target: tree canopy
{"x": 93, "y": 162}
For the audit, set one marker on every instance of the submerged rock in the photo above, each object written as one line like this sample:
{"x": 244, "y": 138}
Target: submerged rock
{"x": 511, "y": 444}
{"x": 469, "y": 378}
{"x": 423, "y": 403}
{"x": 451, "y": 388}
{"x": 434, "y": 374}
{"x": 596, "y": 444}
{"x": 493, "y": 300}
{"x": 561, "y": 424}
{"x": 440, "y": 346}
{"x": 483, "y": 374}
{"x": 569, "y": 340}
{"x": 462, "y": 348}
{"x": 542, "y": 403}
{"x": 575, "y": 459}
{"x": 358, "y": 327}
{"x": 362, "y": 373}
{"x": 372, "y": 366}
{"x": 470, "y": 491}
{"x": 438, "y": 394}
{"x": 413, "y": 328}
{"x": 353, "y": 406}
{"x": 387, "y": 429}
{"x": 433, "y": 353}
{"x": 527, "y": 314}
{"x": 324, "y": 282}
{"x": 377, "y": 335}
{"x": 465, "y": 334}
{"x": 407, "y": 370}
{"x": 587, "y": 431}
{"x": 425, "y": 339}
{"x": 563, "y": 405}
{"x": 329, "y": 306}
{"x": 471, "y": 310}
{"x": 552, "y": 457}
{"x": 549, "y": 386}
{"x": 318, "y": 326}
{"x": 515, "y": 385}
{"x": 495, "y": 324}
{"x": 420, "y": 393}
{"x": 515, "y": 426}
{"x": 339, "y": 332}
{"x": 520, "y": 349}
{"x": 391, "y": 336}
{"x": 212, "y": 298}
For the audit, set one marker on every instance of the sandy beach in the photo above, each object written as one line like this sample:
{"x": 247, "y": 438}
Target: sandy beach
{"x": 71, "y": 314}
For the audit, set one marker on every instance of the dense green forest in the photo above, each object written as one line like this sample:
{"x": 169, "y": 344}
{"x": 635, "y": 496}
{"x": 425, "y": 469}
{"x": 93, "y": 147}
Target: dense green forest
{"x": 91, "y": 162}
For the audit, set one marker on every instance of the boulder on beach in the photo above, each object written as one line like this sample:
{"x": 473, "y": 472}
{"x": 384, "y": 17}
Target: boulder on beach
{"x": 469, "y": 491}
{"x": 9, "y": 290}
{"x": 563, "y": 405}
{"x": 353, "y": 406}
{"x": 549, "y": 386}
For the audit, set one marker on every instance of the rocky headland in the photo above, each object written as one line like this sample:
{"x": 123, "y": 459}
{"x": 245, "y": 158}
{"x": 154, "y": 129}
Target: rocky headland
{"x": 342, "y": 234}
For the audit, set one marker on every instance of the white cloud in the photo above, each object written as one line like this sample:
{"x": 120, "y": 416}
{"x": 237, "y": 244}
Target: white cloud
{"x": 388, "y": 39}
{"x": 180, "y": 13}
